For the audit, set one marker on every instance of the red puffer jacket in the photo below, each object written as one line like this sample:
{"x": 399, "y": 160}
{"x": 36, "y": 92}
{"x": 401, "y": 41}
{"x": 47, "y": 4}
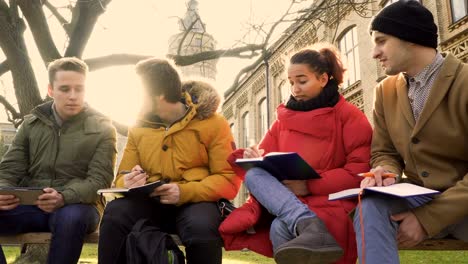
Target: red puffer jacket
{"x": 335, "y": 141}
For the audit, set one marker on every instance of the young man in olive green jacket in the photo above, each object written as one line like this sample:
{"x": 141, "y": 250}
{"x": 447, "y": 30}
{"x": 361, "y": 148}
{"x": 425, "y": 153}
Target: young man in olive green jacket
{"x": 68, "y": 149}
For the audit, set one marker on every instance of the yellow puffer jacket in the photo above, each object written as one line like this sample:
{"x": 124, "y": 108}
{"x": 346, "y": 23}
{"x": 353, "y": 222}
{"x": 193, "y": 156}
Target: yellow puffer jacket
{"x": 192, "y": 152}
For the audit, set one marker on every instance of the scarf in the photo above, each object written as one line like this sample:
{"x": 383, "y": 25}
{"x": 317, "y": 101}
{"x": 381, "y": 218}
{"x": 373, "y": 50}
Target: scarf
{"x": 327, "y": 98}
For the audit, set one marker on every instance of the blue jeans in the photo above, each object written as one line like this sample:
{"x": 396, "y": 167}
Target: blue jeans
{"x": 380, "y": 232}
{"x": 68, "y": 226}
{"x": 280, "y": 202}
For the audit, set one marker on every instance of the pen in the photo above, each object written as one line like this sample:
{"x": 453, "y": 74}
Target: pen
{"x": 371, "y": 174}
{"x": 128, "y": 171}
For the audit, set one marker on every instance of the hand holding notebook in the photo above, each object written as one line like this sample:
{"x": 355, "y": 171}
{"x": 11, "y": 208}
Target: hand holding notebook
{"x": 141, "y": 191}
{"x": 282, "y": 165}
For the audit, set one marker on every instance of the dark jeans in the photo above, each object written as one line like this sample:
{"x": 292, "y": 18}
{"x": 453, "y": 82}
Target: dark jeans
{"x": 196, "y": 224}
{"x": 68, "y": 226}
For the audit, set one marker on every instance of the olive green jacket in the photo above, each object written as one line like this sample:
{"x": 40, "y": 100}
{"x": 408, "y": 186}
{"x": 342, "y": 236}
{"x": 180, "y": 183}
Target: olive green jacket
{"x": 76, "y": 159}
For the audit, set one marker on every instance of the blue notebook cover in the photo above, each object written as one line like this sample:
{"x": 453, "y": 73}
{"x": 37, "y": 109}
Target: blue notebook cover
{"x": 282, "y": 165}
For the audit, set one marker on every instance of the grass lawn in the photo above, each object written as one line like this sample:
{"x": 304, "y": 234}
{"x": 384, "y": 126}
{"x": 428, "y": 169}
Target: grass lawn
{"x": 89, "y": 255}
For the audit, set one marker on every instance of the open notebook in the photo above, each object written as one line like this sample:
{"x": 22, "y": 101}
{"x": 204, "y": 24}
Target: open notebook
{"x": 144, "y": 190}
{"x": 403, "y": 190}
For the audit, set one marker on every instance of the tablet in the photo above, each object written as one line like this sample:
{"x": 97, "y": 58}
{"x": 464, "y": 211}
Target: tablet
{"x": 27, "y": 195}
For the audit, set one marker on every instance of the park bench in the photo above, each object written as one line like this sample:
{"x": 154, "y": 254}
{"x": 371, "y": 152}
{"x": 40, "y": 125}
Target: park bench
{"x": 44, "y": 238}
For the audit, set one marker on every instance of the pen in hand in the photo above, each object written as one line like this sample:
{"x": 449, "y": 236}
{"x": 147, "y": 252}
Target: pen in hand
{"x": 129, "y": 171}
{"x": 384, "y": 175}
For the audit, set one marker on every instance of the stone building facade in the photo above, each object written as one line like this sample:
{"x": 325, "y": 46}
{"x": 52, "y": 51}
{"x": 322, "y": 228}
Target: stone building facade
{"x": 250, "y": 107}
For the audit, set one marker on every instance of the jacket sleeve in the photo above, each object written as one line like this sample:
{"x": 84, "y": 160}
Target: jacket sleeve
{"x": 357, "y": 134}
{"x": 15, "y": 162}
{"x": 383, "y": 152}
{"x": 237, "y": 154}
{"x": 100, "y": 171}
{"x": 446, "y": 209}
{"x": 130, "y": 158}
{"x": 222, "y": 181}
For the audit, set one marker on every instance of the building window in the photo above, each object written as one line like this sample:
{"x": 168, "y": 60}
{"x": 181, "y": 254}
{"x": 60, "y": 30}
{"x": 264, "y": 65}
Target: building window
{"x": 348, "y": 45}
{"x": 284, "y": 92}
{"x": 245, "y": 130}
{"x": 233, "y": 132}
{"x": 459, "y": 9}
{"x": 263, "y": 117}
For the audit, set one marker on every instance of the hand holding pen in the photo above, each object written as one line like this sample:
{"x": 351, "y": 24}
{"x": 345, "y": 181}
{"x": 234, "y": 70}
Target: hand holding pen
{"x": 377, "y": 177}
{"x": 253, "y": 152}
{"x": 134, "y": 178}
{"x": 384, "y": 175}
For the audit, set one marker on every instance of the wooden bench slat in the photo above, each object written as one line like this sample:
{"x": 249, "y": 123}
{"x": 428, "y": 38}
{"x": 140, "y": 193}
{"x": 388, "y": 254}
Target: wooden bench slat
{"x": 44, "y": 238}
{"x": 440, "y": 244}
{"x": 93, "y": 238}
{"x": 39, "y": 238}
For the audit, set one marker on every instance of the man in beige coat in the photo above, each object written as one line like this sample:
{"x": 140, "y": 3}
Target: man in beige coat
{"x": 421, "y": 129}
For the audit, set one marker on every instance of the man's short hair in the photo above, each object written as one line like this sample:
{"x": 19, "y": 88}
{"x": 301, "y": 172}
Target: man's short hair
{"x": 66, "y": 64}
{"x": 160, "y": 77}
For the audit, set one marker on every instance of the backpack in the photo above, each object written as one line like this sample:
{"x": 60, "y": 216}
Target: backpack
{"x": 147, "y": 244}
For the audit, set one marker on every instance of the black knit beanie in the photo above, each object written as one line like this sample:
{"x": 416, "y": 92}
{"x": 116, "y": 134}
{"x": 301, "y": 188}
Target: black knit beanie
{"x": 407, "y": 20}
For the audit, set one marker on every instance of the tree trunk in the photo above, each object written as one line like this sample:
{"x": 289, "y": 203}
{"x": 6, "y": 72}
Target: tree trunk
{"x": 14, "y": 47}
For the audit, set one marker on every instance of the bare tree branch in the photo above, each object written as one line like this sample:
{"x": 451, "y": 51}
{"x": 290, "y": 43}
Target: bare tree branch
{"x": 14, "y": 11}
{"x": 215, "y": 54}
{"x": 14, "y": 47}
{"x": 316, "y": 13}
{"x": 65, "y": 24}
{"x": 241, "y": 73}
{"x": 3, "y": 7}
{"x": 264, "y": 53}
{"x": 10, "y": 108}
{"x": 114, "y": 60}
{"x": 186, "y": 32}
{"x": 85, "y": 15}
{"x": 4, "y": 67}
{"x": 32, "y": 10}
{"x": 272, "y": 29}
{"x": 180, "y": 60}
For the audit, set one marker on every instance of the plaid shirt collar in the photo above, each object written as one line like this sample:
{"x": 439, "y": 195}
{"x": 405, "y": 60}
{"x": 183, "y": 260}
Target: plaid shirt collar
{"x": 423, "y": 77}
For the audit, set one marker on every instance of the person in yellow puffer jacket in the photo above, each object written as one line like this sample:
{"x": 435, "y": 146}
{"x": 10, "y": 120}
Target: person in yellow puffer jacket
{"x": 182, "y": 140}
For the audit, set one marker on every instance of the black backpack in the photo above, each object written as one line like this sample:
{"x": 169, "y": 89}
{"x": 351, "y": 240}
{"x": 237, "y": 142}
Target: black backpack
{"x": 147, "y": 244}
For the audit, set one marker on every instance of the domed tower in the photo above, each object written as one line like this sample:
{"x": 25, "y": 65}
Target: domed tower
{"x": 194, "y": 41}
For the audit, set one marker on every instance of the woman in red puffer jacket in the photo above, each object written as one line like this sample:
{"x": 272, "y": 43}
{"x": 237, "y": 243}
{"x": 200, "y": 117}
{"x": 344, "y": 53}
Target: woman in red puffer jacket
{"x": 293, "y": 219}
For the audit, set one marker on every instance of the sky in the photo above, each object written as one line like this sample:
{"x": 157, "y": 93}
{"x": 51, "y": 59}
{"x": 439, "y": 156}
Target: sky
{"x": 144, "y": 27}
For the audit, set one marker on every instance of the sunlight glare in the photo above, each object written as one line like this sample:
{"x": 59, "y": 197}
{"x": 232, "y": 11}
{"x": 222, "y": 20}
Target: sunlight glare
{"x": 115, "y": 92}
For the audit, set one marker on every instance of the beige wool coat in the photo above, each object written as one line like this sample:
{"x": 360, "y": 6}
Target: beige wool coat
{"x": 432, "y": 152}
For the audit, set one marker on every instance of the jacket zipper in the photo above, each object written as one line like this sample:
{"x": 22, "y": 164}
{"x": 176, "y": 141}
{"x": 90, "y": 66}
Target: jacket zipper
{"x": 59, "y": 133}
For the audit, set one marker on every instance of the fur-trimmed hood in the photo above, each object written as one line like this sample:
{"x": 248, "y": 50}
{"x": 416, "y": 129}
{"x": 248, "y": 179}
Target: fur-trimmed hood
{"x": 201, "y": 97}
{"x": 204, "y": 96}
